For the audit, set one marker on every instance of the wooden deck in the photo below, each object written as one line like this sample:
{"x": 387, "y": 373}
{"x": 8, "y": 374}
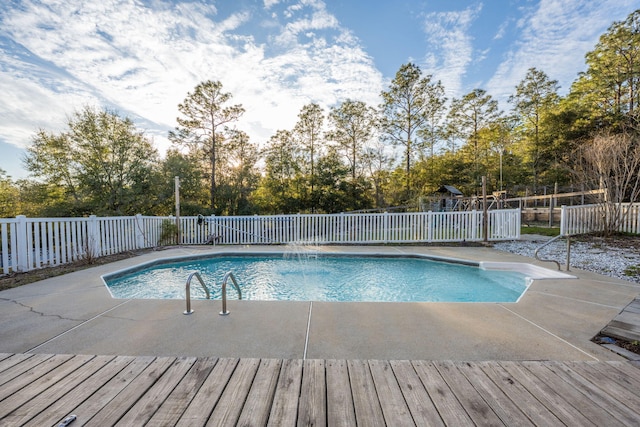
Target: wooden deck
{"x": 625, "y": 325}
{"x": 41, "y": 390}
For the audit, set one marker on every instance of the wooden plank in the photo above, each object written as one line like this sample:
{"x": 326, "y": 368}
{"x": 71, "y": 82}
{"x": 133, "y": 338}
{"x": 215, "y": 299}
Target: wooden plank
{"x": 34, "y": 388}
{"x": 66, "y": 405}
{"x": 313, "y": 394}
{"x": 365, "y": 399}
{"x": 546, "y": 395}
{"x": 479, "y": 411}
{"x": 449, "y": 408}
{"x": 107, "y": 391}
{"x": 29, "y": 370}
{"x": 614, "y": 331}
{"x": 633, "y": 307}
{"x": 629, "y": 318}
{"x": 575, "y": 397}
{"x": 127, "y": 397}
{"x": 229, "y": 407}
{"x": 626, "y": 368}
{"x": 504, "y": 408}
{"x": 5, "y": 356}
{"x": 422, "y": 409}
{"x": 604, "y": 400}
{"x": 258, "y": 403}
{"x": 153, "y": 398}
{"x": 176, "y": 403}
{"x": 206, "y": 398}
{"x": 50, "y": 395}
{"x": 528, "y": 404}
{"x": 284, "y": 411}
{"x": 340, "y": 411}
{"x": 610, "y": 381}
{"x": 394, "y": 407}
{"x": 11, "y": 360}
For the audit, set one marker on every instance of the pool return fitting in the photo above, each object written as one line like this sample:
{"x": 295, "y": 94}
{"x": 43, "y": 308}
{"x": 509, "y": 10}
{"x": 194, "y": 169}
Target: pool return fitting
{"x": 197, "y": 275}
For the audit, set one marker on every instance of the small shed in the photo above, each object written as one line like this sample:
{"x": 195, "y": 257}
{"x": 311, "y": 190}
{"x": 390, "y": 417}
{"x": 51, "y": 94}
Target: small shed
{"x": 449, "y": 197}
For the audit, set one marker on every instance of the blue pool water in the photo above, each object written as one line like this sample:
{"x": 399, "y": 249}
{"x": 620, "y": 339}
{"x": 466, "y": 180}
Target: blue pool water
{"x": 323, "y": 278}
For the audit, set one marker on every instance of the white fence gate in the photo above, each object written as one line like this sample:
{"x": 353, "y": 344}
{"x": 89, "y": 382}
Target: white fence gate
{"x": 28, "y": 243}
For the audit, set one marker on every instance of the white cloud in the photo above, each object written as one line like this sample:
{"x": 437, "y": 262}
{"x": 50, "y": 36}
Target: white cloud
{"x": 555, "y": 37}
{"x": 143, "y": 61}
{"x": 450, "y": 46}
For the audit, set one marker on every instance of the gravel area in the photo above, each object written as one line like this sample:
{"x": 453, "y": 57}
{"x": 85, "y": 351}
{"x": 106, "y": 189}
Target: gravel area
{"x": 615, "y": 257}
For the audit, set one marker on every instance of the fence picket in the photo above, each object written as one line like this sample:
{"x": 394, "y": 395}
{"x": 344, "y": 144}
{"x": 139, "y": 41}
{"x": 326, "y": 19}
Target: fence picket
{"x": 28, "y": 244}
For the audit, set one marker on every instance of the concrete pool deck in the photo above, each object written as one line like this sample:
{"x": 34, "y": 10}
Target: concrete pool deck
{"x": 554, "y": 320}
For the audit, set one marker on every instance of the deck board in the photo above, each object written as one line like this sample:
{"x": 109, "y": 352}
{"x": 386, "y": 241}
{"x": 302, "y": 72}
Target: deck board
{"x": 422, "y": 409}
{"x": 154, "y": 397}
{"x": 495, "y": 397}
{"x": 51, "y": 395}
{"x": 446, "y": 402}
{"x": 284, "y": 411}
{"x": 128, "y": 396}
{"x": 604, "y": 400}
{"x": 119, "y": 390}
{"x": 313, "y": 394}
{"x": 340, "y": 410}
{"x": 626, "y": 325}
{"x": 365, "y": 399}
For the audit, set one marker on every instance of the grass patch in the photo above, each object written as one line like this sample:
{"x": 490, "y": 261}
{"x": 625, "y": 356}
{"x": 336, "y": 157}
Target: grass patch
{"x": 632, "y": 271}
{"x": 543, "y": 231}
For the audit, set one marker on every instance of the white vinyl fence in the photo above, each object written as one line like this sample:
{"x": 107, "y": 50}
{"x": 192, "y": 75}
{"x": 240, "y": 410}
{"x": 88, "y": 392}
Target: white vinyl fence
{"x": 590, "y": 218}
{"x": 28, "y": 243}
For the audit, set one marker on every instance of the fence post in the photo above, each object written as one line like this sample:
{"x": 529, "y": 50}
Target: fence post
{"x": 21, "y": 243}
{"x": 563, "y": 219}
{"x": 256, "y": 230}
{"x": 94, "y": 243}
{"x": 139, "y": 232}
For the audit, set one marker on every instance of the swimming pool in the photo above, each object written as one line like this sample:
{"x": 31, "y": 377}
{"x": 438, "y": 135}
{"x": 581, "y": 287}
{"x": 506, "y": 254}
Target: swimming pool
{"x": 322, "y": 277}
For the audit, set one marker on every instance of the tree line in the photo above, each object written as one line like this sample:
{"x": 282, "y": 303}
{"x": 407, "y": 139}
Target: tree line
{"x": 352, "y": 156}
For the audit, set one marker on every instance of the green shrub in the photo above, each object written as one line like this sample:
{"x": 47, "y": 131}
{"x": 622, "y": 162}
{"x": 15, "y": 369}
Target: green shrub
{"x": 169, "y": 233}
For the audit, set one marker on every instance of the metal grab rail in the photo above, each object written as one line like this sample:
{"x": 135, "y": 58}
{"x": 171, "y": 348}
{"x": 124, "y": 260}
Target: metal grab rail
{"x": 568, "y": 262}
{"x": 188, "y": 290}
{"x": 228, "y": 276}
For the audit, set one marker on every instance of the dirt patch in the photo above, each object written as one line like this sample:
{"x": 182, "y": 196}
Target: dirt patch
{"x": 14, "y": 280}
{"x": 632, "y": 346}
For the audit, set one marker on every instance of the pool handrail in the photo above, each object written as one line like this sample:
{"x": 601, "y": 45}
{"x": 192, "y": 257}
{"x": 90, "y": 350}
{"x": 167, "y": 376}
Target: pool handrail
{"x": 548, "y": 242}
{"x": 188, "y": 290}
{"x": 228, "y": 276}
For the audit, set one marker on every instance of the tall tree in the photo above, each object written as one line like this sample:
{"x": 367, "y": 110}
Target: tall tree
{"x": 610, "y": 88}
{"x": 433, "y": 130}
{"x": 276, "y": 193}
{"x": 101, "y": 160}
{"x": 308, "y": 131}
{"x": 194, "y": 192}
{"x": 467, "y": 116}
{"x": 9, "y": 194}
{"x": 353, "y": 124}
{"x": 405, "y": 110}
{"x": 242, "y": 176}
{"x": 205, "y": 120}
{"x": 536, "y": 96}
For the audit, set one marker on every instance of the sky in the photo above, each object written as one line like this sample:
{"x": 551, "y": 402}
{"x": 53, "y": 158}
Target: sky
{"x": 141, "y": 58}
